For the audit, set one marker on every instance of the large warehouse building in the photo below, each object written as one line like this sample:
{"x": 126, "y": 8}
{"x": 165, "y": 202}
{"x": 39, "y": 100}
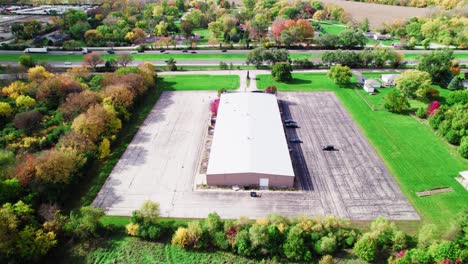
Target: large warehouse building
{"x": 249, "y": 144}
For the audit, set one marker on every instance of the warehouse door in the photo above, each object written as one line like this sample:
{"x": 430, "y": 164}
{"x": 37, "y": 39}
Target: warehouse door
{"x": 264, "y": 183}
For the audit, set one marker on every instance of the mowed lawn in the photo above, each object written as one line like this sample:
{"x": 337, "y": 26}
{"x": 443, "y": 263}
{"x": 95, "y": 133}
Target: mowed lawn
{"x": 416, "y": 157}
{"x": 198, "y": 82}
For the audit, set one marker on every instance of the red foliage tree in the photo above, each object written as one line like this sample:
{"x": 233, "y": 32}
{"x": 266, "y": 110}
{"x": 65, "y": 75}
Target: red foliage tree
{"x": 214, "y": 105}
{"x": 278, "y": 26}
{"x": 433, "y": 107}
{"x": 271, "y": 89}
{"x": 25, "y": 170}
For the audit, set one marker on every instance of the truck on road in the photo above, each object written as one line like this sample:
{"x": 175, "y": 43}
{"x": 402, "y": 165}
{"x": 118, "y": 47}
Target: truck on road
{"x": 36, "y": 50}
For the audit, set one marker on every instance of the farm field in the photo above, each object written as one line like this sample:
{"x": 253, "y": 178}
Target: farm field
{"x": 414, "y": 154}
{"x": 380, "y": 13}
{"x": 198, "y": 82}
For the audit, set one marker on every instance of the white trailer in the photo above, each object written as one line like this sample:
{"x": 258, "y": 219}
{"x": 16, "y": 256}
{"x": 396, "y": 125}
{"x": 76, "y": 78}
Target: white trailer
{"x": 36, "y": 50}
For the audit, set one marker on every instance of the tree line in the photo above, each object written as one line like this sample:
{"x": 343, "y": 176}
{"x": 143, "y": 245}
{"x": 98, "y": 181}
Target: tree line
{"x": 53, "y": 127}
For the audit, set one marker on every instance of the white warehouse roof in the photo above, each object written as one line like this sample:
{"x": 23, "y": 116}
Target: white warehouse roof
{"x": 249, "y": 136}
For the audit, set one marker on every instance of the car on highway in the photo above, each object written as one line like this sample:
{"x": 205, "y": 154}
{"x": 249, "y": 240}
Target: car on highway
{"x": 224, "y": 50}
{"x": 111, "y": 52}
{"x": 134, "y": 52}
{"x": 70, "y": 53}
{"x": 68, "y": 63}
{"x": 193, "y": 52}
{"x": 289, "y": 121}
{"x": 162, "y": 51}
{"x": 295, "y": 140}
{"x": 185, "y": 51}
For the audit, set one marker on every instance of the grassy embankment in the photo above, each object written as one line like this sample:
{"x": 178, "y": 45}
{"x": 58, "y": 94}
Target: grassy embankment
{"x": 416, "y": 157}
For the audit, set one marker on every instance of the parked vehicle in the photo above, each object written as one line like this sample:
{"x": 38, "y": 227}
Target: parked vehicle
{"x": 328, "y": 148}
{"x": 85, "y": 51}
{"x": 295, "y": 140}
{"x": 292, "y": 125}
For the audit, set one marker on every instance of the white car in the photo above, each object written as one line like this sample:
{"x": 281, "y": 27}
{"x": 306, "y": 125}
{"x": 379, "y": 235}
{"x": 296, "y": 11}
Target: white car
{"x": 68, "y": 63}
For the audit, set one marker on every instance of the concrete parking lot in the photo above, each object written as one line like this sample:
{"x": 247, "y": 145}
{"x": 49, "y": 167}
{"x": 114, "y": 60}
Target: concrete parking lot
{"x": 161, "y": 163}
{"x": 352, "y": 180}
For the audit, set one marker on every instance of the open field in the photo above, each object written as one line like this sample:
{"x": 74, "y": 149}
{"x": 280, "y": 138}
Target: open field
{"x": 380, "y": 13}
{"x": 333, "y": 29}
{"x": 198, "y": 82}
{"x": 416, "y": 157}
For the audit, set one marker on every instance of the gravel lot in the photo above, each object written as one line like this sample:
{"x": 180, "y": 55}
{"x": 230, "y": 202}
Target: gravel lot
{"x": 161, "y": 162}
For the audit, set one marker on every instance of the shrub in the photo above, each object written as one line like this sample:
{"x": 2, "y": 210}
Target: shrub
{"x": 433, "y": 107}
{"x": 214, "y": 105}
{"x": 86, "y": 222}
{"x": 427, "y": 235}
{"x": 445, "y": 250}
{"x": 420, "y": 255}
{"x": 223, "y": 65}
{"x": 326, "y": 245}
{"x": 453, "y": 137}
{"x": 29, "y": 121}
{"x": 242, "y": 243}
{"x": 221, "y": 91}
{"x": 421, "y": 112}
{"x": 454, "y": 84}
{"x": 220, "y": 240}
{"x": 104, "y": 148}
{"x": 366, "y": 248}
{"x": 281, "y": 72}
{"x": 436, "y": 119}
{"x": 456, "y": 97}
{"x": 132, "y": 229}
{"x": 181, "y": 237}
{"x": 327, "y": 259}
{"x": 432, "y": 93}
{"x": 294, "y": 245}
{"x": 5, "y": 109}
{"x": 463, "y": 148}
{"x": 339, "y": 74}
{"x": 195, "y": 235}
{"x": 149, "y": 231}
{"x": 399, "y": 240}
{"x": 396, "y": 101}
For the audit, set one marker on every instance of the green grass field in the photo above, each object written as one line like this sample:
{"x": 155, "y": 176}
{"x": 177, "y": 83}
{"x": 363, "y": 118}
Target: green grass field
{"x": 198, "y": 82}
{"x": 416, "y": 157}
{"x": 333, "y": 28}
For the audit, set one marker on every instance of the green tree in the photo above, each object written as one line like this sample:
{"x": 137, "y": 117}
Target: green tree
{"x": 454, "y": 84}
{"x": 85, "y": 223}
{"x": 339, "y": 74}
{"x": 463, "y": 148}
{"x": 5, "y": 109}
{"x": 281, "y": 72}
{"x": 414, "y": 82}
{"x": 25, "y": 101}
{"x": 27, "y": 61}
{"x": 104, "y": 148}
{"x": 33, "y": 243}
{"x": 437, "y": 64}
{"x": 366, "y": 248}
{"x": 350, "y": 39}
{"x": 396, "y": 101}
{"x": 294, "y": 245}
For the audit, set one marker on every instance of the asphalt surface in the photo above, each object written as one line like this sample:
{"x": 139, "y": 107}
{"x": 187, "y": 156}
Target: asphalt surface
{"x": 162, "y": 161}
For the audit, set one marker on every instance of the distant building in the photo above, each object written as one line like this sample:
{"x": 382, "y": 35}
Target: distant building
{"x": 389, "y": 79}
{"x": 249, "y": 143}
{"x": 370, "y": 85}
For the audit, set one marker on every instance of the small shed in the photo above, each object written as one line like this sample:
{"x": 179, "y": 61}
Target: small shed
{"x": 389, "y": 79}
{"x": 370, "y": 85}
